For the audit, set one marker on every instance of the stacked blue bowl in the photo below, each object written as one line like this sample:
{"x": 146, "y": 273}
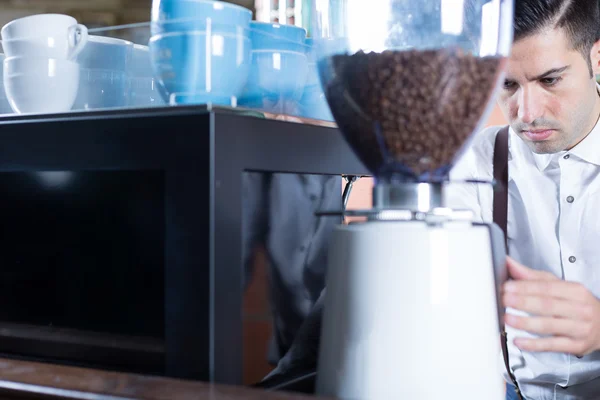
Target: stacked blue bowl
{"x": 313, "y": 103}
{"x": 200, "y": 51}
{"x": 279, "y": 68}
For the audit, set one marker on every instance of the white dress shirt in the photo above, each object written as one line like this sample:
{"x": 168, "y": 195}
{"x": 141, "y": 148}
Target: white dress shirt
{"x": 553, "y": 225}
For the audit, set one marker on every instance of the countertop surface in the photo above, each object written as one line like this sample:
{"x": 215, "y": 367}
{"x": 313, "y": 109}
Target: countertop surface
{"x": 24, "y": 379}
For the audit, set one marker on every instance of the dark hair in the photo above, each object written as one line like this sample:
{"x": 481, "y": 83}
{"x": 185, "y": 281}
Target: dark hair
{"x": 579, "y": 18}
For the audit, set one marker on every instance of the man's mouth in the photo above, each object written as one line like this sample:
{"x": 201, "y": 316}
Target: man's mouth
{"x": 537, "y": 135}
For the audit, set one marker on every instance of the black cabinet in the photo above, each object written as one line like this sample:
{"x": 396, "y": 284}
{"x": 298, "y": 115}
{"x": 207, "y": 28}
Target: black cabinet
{"x": 120, "y": 238}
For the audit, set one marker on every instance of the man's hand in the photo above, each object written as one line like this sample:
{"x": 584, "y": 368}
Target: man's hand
{"x": 566, "y": 311}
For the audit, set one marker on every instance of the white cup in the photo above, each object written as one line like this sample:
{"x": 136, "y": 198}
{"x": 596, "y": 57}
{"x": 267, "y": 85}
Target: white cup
{"x": 4, "y": 105}
{"x": 44, "y": 35}
{"x": 40, "y": 85}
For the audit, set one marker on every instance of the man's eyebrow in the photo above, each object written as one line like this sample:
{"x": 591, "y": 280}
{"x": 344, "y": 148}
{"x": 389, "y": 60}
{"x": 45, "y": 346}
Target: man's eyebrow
{"x": 550, "y": 72}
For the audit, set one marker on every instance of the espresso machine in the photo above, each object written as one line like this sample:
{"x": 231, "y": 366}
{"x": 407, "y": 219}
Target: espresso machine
{"x": 412, "y": 307}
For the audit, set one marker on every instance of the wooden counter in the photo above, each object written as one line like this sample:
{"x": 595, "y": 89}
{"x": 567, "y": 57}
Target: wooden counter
{"x": 29, "y": 380}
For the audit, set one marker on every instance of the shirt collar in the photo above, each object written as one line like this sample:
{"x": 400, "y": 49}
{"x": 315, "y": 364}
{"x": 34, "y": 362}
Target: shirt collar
{"x": 542, "y": 160}
{"x": 587, "y": 150}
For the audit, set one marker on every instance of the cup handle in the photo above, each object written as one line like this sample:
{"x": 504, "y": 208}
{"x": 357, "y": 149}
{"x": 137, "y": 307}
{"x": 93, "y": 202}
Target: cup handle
{"x": 78, "y": 37}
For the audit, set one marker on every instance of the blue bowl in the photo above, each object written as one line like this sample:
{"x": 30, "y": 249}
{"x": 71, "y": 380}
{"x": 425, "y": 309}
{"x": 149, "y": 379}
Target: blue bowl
{"x": 316, "y": 48}
{"x": 100, "y": 88}
{"x": 313, "y": 71}
{"x": 326, "y": 47}
{"x": 269, "y": 36}
{"x": 198, "y": 15}
{"x": 187, "y": 72}
{"x": 310, "y": 50}
{"x": 106, "y": 53}
{"x": 276, "y": 78}
{"x": 313, "y": 104}
{"x": 266, "y": 41}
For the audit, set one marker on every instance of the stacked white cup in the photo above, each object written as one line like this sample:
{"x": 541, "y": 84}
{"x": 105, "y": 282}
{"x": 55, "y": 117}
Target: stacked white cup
{"x": 40, "y": 74}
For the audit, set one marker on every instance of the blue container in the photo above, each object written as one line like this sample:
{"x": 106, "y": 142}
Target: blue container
{"x": 269, "y": 36}
{"x": 276, "y": 78}
{"x": 189, "y": 72}
{"x": 106, "y": 53}
{"x": 198, "y": 15}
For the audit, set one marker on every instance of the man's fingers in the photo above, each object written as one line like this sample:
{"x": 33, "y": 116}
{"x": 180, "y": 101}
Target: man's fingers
{"x": 572, "y": 291}
{"x": 558, "y": 344}
{"x": 546, "y": 306}
{"x": 546, "y": 325}
{"x": 518, "y": 271}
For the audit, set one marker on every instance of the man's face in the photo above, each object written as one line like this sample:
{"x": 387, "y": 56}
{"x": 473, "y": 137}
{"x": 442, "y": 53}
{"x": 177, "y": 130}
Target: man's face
{"x": 549, "y": 96}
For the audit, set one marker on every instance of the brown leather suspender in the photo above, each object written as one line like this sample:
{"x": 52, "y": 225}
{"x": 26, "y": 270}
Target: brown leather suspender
{"x": 500, "y": 211}
{"x": 501, "y": 178}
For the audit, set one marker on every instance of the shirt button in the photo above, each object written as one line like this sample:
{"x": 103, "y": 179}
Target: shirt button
{"x": 572, "y": 259}
{"x": 570, "y": 199}
{"x": 566, "y": 157}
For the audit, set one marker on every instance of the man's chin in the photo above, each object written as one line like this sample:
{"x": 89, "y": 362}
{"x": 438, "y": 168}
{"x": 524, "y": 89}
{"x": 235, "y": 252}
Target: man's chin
{"x": 544, "y": 147}
{"x": 548, "y": 146}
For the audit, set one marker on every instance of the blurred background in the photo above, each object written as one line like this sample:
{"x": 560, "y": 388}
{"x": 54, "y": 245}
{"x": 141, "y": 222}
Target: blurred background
{"x": 103, "y": 13}
{"x": 107, "y": 13}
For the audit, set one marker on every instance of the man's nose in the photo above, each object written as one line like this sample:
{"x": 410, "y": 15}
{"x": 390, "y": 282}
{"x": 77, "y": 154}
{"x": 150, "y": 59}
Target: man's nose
{"x": 529, "y": 105}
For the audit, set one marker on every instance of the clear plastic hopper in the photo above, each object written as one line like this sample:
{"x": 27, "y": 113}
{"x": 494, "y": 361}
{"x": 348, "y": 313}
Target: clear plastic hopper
{"x": 409, "y": 82}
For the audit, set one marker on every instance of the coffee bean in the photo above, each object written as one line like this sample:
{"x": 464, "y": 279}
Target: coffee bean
{"x": 422, "y": 105}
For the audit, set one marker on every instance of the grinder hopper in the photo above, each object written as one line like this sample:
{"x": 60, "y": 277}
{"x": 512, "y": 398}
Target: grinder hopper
{"x": 408, "y": 82}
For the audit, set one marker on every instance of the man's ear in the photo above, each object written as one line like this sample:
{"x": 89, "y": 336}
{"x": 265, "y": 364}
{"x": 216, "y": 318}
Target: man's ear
{"x": 595, "y": 58}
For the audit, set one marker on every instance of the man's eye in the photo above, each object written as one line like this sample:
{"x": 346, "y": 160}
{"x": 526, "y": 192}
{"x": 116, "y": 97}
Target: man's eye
{"x": 509, "y": 85}
{"x": 550, "y": 81}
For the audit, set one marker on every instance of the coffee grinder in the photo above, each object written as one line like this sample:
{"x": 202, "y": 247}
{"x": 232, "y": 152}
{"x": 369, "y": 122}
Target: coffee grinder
{"x": 412, "y": 307}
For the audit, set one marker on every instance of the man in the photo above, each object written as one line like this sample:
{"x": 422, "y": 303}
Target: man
{"x": 550, "y": 97}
